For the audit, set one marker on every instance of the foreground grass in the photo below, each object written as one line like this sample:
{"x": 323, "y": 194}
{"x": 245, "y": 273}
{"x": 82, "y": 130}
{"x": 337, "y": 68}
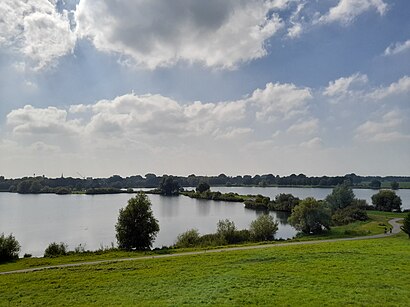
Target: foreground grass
{"x": 371, "y": 272}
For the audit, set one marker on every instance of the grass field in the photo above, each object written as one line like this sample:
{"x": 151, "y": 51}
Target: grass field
{"x": 371, "y": 272}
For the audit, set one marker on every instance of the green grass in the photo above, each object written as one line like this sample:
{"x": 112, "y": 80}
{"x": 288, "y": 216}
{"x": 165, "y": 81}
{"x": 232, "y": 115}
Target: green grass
{"x": 355, "y": 273}
{"x": 375, "y": 225}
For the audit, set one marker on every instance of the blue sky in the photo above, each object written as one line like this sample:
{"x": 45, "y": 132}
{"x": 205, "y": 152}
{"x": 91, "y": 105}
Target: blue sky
{"x": 221, "y": 86}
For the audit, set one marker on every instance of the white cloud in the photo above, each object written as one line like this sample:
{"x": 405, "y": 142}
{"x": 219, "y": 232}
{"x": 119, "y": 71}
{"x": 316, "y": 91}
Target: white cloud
{"x": 48, "y": 121}
{"x": 215, "y": 33}
{"x": 396, "y": 48}
{"x": 347, "y": 10}
{"x": 402, "y": 86}
{"x": 155, "y": 119}
{"x": 36, "y": 30}
{"x": 280, "y": 101}
{"x": 308, "y": 126}
{"x": 316, "y": 142}
{"x": 296, "y": 28}
{"x": 345, "y": 85}
{"x": 384, "y": 129}
{"x": 295, "y": 31}
{"x": 234, "y": 133}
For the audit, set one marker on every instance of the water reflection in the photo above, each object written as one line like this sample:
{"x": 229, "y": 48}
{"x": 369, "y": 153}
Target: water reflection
{"x": 203, "y": 207}
{"x": 282, "y": 217}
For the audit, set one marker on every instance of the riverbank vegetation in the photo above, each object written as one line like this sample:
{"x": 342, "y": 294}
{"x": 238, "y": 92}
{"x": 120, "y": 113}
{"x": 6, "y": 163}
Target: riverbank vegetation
{"x": 366, "y": 273}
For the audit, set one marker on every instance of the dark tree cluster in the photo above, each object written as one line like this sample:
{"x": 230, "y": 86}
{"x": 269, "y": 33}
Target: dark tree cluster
{"x": 64, "y": 185}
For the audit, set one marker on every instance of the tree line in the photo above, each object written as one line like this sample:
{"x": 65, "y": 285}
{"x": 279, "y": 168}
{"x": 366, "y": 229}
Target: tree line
{"x": 66, "y": 185}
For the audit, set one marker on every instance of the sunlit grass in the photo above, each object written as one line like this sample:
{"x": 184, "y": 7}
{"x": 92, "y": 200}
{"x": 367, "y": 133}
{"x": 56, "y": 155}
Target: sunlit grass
{"x": 371, "y": 272}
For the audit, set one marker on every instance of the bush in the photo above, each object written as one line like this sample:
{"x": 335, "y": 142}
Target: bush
{"x": 211, "y": 239}
{"x": 348, "y": 215}
{"x": 226, "y": 230}
{"x": 9, "y": 248}
{"x": 310, "y": 216}
{"x": 263, "y": 228}
{"x": 55, "y": 249}
{"x": 240, "y": 236}
{"x": 189, "y": 238}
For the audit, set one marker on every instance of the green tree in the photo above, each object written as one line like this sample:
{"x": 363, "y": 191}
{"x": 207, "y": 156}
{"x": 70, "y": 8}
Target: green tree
{"x": 284, "y": 202}
{"x": 310, "y": 216}
{"x": 395, "y": 185}
{"x": 136, "y": 227}
{"x": 406, "y": 224}
{"x": 375, "y": 184}
{"x": 386, "y": 200}
{"x": 169, "y": 186}
{"x": 341, "y": 197}
{"x": 263, "y": 228}
{"x": 24, "y": 186}
{"x": 202, "y": 187}
{"x": 35, "y": 187}
{"x": 9, "y": 248}
{"x": 226, "y": 230}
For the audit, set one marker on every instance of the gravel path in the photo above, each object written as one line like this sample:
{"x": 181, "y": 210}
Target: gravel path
{"x": 393, "y": 223}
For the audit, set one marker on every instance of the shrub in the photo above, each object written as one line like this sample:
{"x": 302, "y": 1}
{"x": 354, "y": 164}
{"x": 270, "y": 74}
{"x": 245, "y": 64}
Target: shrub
{"x": 55, "y": 249}
{"x": 310, "y": 216}
{"x": 226, "y": 230}
{"x": 188, "y": 238}
{"x": 9, "y": 248}
{"x": 211, "y": 239}
{"x": 406, "y": 225}
{"x": 263, "y": 228}
{"x": 240, "y": 236}
{"x": 348, "y": 215}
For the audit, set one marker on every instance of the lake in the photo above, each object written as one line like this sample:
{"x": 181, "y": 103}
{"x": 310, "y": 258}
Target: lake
{"x": 37, "y": 220}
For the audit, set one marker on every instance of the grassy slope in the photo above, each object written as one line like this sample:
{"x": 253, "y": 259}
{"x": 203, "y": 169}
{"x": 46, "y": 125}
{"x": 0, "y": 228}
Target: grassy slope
{"x": 373, "y": 272}
{"x": 375, "y": 225}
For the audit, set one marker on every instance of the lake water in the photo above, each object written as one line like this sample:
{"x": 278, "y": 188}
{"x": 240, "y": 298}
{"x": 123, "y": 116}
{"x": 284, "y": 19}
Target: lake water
{"x": 37, "y": 220}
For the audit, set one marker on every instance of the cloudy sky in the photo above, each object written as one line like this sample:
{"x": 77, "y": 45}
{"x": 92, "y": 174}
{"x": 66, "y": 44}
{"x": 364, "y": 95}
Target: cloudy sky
{"x": 207, "y": 87}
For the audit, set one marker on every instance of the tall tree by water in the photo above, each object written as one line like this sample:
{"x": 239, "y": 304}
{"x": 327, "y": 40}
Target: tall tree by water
{"x": 136, "y": 227}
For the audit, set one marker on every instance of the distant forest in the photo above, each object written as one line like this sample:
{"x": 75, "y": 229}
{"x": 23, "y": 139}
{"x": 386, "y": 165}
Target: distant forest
{"x": 65, "y": 185}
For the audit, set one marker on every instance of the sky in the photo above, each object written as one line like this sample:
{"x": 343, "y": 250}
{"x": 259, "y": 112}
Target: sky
{"x": 181, "y": 87}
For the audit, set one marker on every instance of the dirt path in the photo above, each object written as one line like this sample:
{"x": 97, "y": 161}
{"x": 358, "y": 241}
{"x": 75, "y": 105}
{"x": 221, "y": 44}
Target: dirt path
{"x": 393, "y": 223}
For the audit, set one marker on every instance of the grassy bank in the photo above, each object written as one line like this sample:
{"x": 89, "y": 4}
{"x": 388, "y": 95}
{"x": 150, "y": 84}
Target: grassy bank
{"x": 376, "y": 224}
{"x": 371, "y": 272}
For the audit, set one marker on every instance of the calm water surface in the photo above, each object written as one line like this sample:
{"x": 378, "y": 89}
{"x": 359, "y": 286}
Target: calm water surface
{"x": 37, "y": 220}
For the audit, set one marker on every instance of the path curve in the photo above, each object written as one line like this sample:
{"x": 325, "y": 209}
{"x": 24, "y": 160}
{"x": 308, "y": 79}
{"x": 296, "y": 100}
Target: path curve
{"x": 392, "y": 222}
